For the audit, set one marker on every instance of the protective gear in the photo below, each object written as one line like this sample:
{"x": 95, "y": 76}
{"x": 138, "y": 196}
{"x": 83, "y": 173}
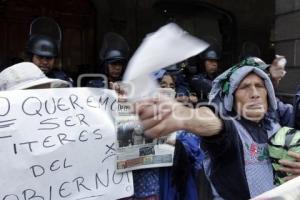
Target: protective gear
{"x": 117, "y": 58}
{"x": 114, "y": 56}
{"x": 46, "y": 26}
{"x": 42, "y": 45}
{"x": 286, "y": 139}
{"x": 113, "y": 41}
{"x": 210, "y": 55}
{"x": 114, "y": 50}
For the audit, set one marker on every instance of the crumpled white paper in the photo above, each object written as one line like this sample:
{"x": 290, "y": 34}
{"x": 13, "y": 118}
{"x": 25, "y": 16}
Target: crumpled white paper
{"x": 167, "y": 46}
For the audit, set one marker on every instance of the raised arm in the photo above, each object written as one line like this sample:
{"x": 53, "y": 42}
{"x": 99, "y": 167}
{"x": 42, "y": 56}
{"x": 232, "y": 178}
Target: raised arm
{"x": 162, "y": 116}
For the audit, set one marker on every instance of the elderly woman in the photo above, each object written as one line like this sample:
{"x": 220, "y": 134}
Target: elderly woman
{"x": 235, "y": 137}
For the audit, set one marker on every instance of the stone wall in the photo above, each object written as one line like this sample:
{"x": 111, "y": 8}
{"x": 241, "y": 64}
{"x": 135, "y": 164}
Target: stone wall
{"x": 135, "y": 18}
{"x": 287, "y": 41}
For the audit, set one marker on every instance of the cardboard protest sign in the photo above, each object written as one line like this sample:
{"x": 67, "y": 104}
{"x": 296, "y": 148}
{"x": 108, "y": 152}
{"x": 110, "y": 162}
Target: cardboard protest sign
{"x": 59, "y": 144}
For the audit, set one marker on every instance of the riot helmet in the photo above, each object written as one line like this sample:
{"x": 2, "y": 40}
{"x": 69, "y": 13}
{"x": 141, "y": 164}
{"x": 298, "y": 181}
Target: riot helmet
{"x": 114, "y": 64}
{"x": 113, "y": 56}
{"x": 42, "y": 45}
{"x": 210, "y": 55}
{"x": 209, "y": 63}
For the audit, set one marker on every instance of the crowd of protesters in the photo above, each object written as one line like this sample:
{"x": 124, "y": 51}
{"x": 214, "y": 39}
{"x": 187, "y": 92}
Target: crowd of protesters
{"x": 241, "y": 115}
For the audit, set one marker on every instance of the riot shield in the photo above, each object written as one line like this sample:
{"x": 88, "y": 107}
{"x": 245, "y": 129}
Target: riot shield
{"x": 113, "y": 41}
{"x": 46, "y": 26}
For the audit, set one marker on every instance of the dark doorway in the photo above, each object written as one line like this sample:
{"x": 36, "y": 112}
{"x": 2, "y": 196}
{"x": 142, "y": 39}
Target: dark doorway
{"x": 75, "y": 17}
{"x": 206, "y": 21}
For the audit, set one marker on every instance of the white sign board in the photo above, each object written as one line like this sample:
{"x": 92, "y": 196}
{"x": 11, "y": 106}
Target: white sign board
{"x": 59, "y": 144}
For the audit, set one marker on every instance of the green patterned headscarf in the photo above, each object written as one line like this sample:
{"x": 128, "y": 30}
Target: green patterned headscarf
{"x": 254, "y": 62}
{"x": 224, "y": 85}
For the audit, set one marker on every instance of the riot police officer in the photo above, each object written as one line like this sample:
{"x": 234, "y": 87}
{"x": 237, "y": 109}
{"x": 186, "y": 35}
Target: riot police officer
{"x": 201, "y": 83}
{"x": 114, "y": 64}
{"x": 211, "y": 59}
{"x": 42, "y": 50}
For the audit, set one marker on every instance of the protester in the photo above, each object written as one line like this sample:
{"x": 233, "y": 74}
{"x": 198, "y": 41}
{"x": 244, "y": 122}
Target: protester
{"x": 114, "y": 64}
{"x": 180, "y": 180}
{"x": 235, "y": 136}
{"x": 27, "y": 75}
{"x": 201, "y": 82}
{"x": 167, "y": 79}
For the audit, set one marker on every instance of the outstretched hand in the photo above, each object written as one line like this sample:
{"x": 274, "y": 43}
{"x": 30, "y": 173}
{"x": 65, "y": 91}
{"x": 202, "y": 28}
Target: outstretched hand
{"x": 160, "y": 116}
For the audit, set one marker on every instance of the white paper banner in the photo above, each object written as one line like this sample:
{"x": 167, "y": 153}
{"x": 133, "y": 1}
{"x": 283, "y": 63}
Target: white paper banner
{"x": 59, "y": 144}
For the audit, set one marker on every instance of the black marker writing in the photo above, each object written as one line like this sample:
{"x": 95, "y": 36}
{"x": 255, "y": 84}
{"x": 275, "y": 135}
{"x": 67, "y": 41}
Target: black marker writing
{"x": 5, "y": 104}
{"x": 35, "y": 101}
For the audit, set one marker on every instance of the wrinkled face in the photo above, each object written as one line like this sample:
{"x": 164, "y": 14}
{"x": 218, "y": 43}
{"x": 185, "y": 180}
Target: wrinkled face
{"x": 115, "y": 70}
{"x": 44, "y": 63}
{"x": 167, "y": 82}
{"x": 251, "y": 98}
{"x": 211, "y": 66}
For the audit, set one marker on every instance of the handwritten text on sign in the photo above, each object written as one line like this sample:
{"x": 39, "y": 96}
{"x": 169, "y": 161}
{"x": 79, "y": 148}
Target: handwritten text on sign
{"x": 59, "y": 144}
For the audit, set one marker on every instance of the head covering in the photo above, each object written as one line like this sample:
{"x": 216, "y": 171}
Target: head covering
{"x": 159, "y": 74}
{"x": 42, "y": 45}
{"x": 210, "y": 54}
{"x": 26, "y": 75}
{"x": 112, "y": 56}
{"x": 182, "y": 91}
{"x": 224, "y": 85}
